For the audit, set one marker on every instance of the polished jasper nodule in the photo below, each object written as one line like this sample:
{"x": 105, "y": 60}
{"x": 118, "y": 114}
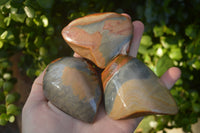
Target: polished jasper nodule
{"x": 73, "y": 86}
{"x": 99, "y": 37}
{"x": 132, "y": 90}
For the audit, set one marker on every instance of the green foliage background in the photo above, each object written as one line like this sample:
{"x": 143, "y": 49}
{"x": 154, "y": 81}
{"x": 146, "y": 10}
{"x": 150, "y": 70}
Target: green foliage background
{"x": 171, "y": 38}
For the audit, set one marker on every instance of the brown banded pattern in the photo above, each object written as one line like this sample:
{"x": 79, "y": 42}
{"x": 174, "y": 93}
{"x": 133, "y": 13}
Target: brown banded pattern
{"x": 71, "y": 85}
{"x": 134, "y": 90}
{"x": 99, "y": 37}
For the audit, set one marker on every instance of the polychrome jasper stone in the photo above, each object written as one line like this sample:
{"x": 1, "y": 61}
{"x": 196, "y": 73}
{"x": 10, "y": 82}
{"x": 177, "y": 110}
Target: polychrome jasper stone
{"x": 99, "y": 37}
{"x": 131, "y": 89}
{"x": 73, "y": 86}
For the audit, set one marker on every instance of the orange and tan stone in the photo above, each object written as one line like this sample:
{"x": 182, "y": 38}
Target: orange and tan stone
{"x": 73, "y": 86}
{"x": 99, "y": 37}
{"x": 134, "y": 90}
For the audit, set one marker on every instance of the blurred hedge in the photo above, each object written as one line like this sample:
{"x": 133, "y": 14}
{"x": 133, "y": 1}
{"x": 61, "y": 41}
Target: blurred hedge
{"x": 171, "y": 38}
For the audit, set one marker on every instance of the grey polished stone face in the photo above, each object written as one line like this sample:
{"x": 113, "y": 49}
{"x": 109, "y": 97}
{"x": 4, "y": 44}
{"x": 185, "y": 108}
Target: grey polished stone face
{"x": 134, "y": 90}
{"x": 72, "y": 86}
{"x": 134, "y": 69}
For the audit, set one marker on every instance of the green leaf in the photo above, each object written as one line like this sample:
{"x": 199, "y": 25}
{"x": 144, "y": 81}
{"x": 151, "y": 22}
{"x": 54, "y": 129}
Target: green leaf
{"x": 2, "y": 24}
{"x": 158, "y": 31}
{"x": 147, "y": 58}
{"x": 38, "y": 41}
{"x": 50, "y": 30}
{"x": 7, "y": 86}
{"x": 7, "y": 35}
{"x": 1, "y": 44}
{"x": 31, "y": 3}
{"x": 163, "y": 64}
{"x": 168, "y": 42}
{"x": 30, "y": 72}
{"x": 175, "y": 54}
{"x": 193, "y": 117}
{"x": 18, "y": 17}
{"x": 29, "y": 22}
{"x": 29, "y": 11}
{"x": 159, "y": 52}
{"x": 43, "y": 51}
{"x": 2, "y": 108}
{"x": 45, "y": 3}
{"x": 13, "y": 10}
{"x": 3, "y": 119}
{"x": 142, "y": 49}
{"x": 193, "y": 48}
{"x": 7, "y": 76}
{"x": 191, "y": 31}
{"x": 5, "y": 64}
{"x": 38, "y": 22}
{"x": 4, "y": 35}
{"x": 11, "y": 119}
{"x": 196, "y": 64}
{"x": 3, "y": 2}
{"x": 12, "y": 109}
{"x": 10, "y": 98}
{"x": 44, "y": 20}
{"x": 194, "y": 96}
{"x": 146, "y": 40}
{"x": 196, "y": 107}
{"x": 185, "y": 105}
{"x": 1, "y": 82}
{"x": 169, "y": 30}
{"x": 7, "y": 20}
{"x": 13, "y": 97}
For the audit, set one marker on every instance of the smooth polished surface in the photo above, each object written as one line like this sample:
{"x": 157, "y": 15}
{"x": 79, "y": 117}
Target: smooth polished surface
{"x": 73, "y": 86}
{"x": 134, "y": 90}
{"x": 99, "y": 37}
